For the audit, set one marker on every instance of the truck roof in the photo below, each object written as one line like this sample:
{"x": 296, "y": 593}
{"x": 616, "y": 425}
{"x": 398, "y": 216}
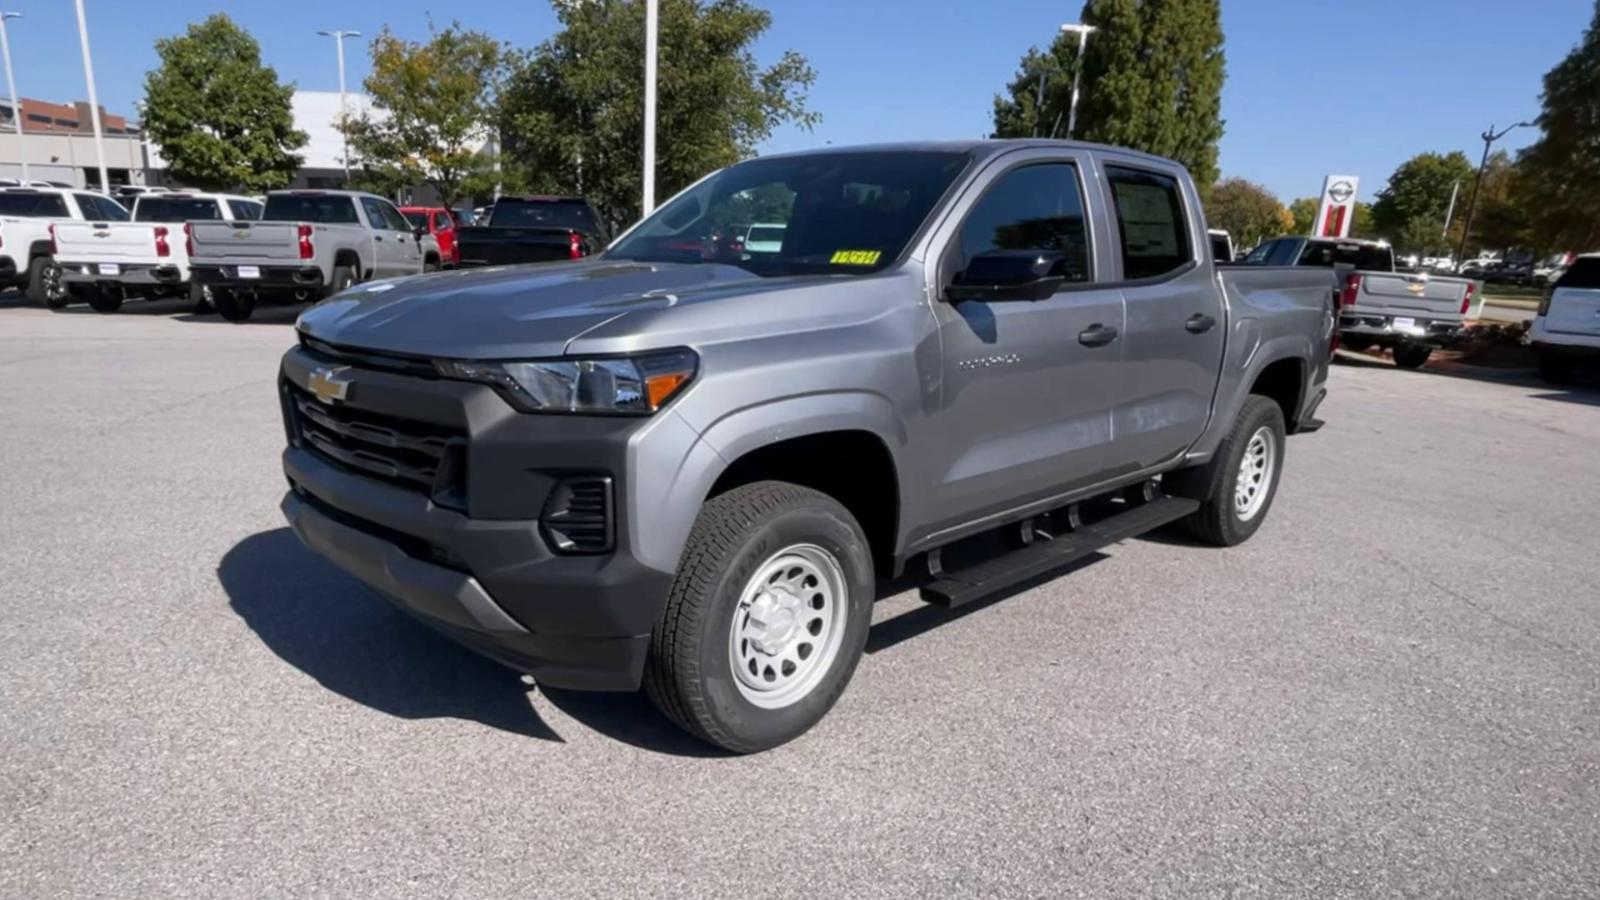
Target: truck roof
{"x": 981, "y": 149}
{"x": 320, "y": 192}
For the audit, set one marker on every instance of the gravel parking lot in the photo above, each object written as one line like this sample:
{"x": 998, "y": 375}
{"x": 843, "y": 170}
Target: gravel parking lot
{"x": 1394, "y": 689}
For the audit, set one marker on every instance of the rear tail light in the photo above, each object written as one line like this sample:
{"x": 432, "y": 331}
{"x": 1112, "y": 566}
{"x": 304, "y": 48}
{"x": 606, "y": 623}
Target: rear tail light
{"x": 162, "y": 247}
{"x": 1352, "y": 287}
{"x": 188, "y": 238}
{"x": 574, "y": 246}
{"x": 1466, "y": 302}
{"x": 306, "y": 250}
{"x": 52, "y": 240}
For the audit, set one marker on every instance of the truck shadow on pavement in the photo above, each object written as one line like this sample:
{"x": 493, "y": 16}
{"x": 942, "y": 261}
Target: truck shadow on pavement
{"x": 1584, "y": 392}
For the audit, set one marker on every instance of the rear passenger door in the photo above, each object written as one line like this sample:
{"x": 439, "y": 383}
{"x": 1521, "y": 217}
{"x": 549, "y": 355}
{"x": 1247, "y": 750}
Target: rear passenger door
{"x": 1172, "y": 348}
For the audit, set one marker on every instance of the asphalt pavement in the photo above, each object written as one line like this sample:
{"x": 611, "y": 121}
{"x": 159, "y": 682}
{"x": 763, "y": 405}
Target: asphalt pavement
{"x": 1393, "y": 690}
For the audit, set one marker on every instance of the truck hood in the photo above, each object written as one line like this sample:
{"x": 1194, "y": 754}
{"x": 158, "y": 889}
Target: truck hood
{"x": 511, "y": 312}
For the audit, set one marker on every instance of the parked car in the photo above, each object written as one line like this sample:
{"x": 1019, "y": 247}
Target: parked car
{"x": 651, "y": 468}
{"x": 1566, "y": 331}
{"x": 533, "y": 229}
{"x": 1410, "y": 313}
{"x": 438, "y": 222}
{"x": 764, "y": 237}
{"x": 105, "y": 263}
{"x": 28, "y": 217}
{"x": 308, "y": 245}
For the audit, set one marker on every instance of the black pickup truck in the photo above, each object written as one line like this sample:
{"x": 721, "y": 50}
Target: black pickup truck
{"x": 533, "y": 229}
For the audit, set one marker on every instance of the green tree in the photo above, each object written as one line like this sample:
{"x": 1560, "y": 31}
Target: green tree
{"x": 1248, "y": 211}
{"x": 1559, "y": 175}
{"x": 1502, "y": 220}
{"x": 433, "y": 104}
{"x": 572, "y": 113}
{"x": 1152, "y": 81}
{"x": 220, "y": 117}
{"x": 1419, "y": 191}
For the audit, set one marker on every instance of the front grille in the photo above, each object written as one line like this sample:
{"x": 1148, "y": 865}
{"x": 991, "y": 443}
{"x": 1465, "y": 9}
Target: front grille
{"x": 418, "y": 455}
{"x": 577, "y": 517}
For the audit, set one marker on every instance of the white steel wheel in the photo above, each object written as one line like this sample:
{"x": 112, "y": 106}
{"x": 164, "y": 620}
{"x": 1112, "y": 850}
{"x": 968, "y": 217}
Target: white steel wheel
{"x": 1256, "y": 468}
{"x": 789, "y": 625}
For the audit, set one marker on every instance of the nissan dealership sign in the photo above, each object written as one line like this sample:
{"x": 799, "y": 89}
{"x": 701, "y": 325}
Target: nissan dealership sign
{"x": 1338, "y": 206}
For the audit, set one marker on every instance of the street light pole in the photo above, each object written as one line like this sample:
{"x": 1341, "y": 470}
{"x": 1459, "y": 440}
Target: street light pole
{"x": 652, "y": 28}
{"x": 94, "y": 100}
{"x": 11, "y": 83}
{"x": 1489, "y": 137}
{"x": 1077, "y": 71}
{"x": 344, "y": 111}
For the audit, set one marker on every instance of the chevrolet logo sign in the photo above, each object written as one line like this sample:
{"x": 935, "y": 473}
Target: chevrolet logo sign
{"x": 1416, "y": 287}
{"x": 241, "y": 233}
{"x": 330, "y": 385}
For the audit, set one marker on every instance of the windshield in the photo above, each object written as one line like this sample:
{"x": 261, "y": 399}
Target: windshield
{"x": 156, "y": 208}
{"x": 837, "y": 213}
{"x": 516, "y": 212}
{"x": 32, "y": 205}
{"x": 328, "y": 209}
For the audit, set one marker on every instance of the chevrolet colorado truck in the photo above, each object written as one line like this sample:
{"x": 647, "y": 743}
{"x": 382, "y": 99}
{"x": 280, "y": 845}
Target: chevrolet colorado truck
{"x": 1410, "y": 313}
{"x": 104, "y": 263}
{"x": 653, "y": 468}
{"x": 28, "y": 220}
{"x": 306, "y": 246}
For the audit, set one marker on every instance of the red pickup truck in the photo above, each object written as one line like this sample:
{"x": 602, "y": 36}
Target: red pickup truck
{"x": 442, "y": 225}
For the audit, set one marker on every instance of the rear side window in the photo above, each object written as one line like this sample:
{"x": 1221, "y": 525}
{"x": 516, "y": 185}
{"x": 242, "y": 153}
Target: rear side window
{"x": 101, "y": 209}
{"x": 1031, "y": 208}
{"x": 326, "y": 209}
{"x": 29, "y": 205}
{"x": 1366, "y": 257}
{"x": 1155, "y": 234}
{"x": 1584, "y": 274}
{"x": 156, "y": 208}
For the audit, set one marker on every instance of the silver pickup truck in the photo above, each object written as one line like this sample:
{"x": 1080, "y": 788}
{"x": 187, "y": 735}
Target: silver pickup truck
{"x": 1410, "y": 313}
{"x": 307, "y": 245}
{"x": 689, "y": 467}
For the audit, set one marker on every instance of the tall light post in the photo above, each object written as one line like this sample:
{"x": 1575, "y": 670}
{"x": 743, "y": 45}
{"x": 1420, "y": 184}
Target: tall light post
{"x": 652, "y": 28}
{"x": 94, "y": 99}
{"x": 344, "y": 112}
{"x": 1489, "y": 137}
{"x": 1083, "y": 32}
{"x": 11, "y": 83}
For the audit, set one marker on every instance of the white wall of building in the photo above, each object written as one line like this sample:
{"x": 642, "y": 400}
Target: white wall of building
{"x": 69, "y": 157}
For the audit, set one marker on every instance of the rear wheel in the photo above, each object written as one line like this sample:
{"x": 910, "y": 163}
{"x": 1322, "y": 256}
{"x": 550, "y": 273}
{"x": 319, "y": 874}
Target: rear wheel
{"x": 199, "y": 298}
{"x": 235, "y": 306}
{"x": 1411, "y": 356}
{"x": 766, "y": 619}
{"x": 44, "y": 283}
{"x": 1356, "y": 344}
{"x": 1237, "y": 487}
{"x": 430, "y": 265}
{"x": 1556, "y": 369}
{"x": 343, "y": 277}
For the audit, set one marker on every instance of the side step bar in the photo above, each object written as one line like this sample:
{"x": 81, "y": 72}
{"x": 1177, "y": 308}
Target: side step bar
{"x": 1045, "y": 556}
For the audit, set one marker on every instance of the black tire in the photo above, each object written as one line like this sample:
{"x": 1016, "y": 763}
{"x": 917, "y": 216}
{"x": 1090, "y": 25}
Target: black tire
{"x": 235, "y": 306}
{"x": 1218, "y": 521}
{"x": 1411, "y": 356}
{"x": 1557, "y": 369}
{"x": 1356, "y": 344}
{"x": 44, "y": 283}
{"x": 690, "y": 672}
{"x": 104, "y": 300}
{"x": 199, "y": 299}
{"x": 430, "y": 265}
{"x": 343, "y": 277}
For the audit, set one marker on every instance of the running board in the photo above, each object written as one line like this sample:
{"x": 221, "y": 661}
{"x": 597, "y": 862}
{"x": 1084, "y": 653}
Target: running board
{"x": 1045, "y": 556}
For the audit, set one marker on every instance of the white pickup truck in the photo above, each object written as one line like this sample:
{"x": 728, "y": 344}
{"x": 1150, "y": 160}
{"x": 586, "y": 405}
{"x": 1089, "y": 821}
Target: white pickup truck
{"x": 29, "y": 217}
{"x": 308, "y": 245}
{"x": 1410, "y": 313}
{"x": 104, "y": 263}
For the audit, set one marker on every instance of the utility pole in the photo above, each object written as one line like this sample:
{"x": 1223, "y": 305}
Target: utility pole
{"x": 1083, "y": 32}
{"x": 1489, "y": 137}
{"x": 11, "y": 82}
{"x": 652, "y": 28}
{"x": 94, "y": 100}
{"x": 344, "y": 111}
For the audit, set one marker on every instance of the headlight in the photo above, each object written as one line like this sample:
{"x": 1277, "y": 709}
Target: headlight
{"x": 637, "y": 385}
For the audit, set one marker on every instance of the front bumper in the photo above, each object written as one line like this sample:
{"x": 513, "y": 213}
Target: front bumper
{"x": 272, "y": 278}
{"x": 1381, "y": 329}
{"x": 135, "y": 275}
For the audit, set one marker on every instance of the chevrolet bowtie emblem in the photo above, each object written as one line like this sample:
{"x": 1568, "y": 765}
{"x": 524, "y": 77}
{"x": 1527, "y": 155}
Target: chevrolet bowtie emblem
{"x": 1416, "y": 287}
{"x": 242, "y": 233}
{"x": 330, "y": 385}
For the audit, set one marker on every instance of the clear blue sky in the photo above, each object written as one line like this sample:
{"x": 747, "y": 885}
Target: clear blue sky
{"x": 1314, "y": 86}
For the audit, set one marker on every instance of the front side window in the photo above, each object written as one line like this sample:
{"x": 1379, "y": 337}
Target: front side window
{"x": 374, "y": 211}
{"x": 101, "y": 209}
{"x": 844, "y": 213}
{"x": 1155, "y": 233}
{"x": 396, "y": 221}
{"x": 1037, "y": 207}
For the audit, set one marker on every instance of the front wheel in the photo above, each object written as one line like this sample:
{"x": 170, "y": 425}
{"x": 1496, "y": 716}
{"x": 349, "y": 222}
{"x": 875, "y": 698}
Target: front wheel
{"x": 1411, "y": 356}
{"x": 766, "y": 619}
{"x": 1238, "y": 485}
{"x": 235, "y": 306}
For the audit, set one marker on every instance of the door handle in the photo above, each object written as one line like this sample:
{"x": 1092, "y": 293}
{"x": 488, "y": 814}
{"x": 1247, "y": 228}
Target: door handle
{"x": 378, "y": 238}
{"x": 1097, "y": 335}
{"x": 1200, "y": 323}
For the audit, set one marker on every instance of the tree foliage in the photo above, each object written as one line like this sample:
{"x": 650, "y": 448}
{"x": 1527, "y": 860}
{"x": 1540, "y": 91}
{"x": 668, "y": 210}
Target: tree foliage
{"x": 1248, "y": 211}
{"x": 1418, "y": 195}
{"x": 220, "y": 117}
{"x": 1152, "y": 81}
{"x": 432, "y": 103}
{"x": 573, "y": 112}
{"x": 1502, "y": 220}
{"x": 1558, "y": 177}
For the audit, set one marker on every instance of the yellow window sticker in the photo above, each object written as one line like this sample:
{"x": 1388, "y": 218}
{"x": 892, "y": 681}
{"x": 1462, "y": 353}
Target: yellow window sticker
{"x": 855, "y": 257}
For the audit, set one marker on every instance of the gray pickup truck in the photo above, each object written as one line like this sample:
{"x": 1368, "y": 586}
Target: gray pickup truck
{"x": 693, "y": 472}
{"x": 1409, "y": 313}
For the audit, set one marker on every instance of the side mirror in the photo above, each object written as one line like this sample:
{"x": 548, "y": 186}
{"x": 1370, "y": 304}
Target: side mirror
{"x": 1009, "y": 275}
{"x": 419, "y": 231}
